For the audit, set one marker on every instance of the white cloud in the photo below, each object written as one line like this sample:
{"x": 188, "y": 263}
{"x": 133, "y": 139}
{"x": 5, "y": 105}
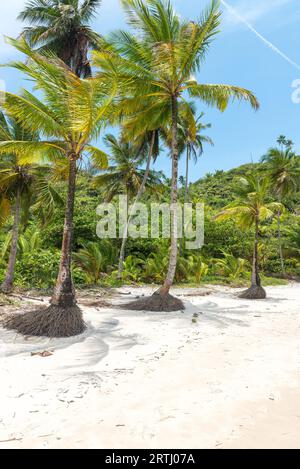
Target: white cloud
{"x": 255, "y": 10}
{"x": 239, "y": 17}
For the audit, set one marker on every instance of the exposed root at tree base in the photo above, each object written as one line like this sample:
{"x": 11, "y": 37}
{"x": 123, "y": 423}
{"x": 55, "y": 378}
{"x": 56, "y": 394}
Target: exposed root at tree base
{"x": 53, "y": 321}
{"x": 254, "y": 293}
{"x": 5, "y": 290}
{"x": 157, "y": 302}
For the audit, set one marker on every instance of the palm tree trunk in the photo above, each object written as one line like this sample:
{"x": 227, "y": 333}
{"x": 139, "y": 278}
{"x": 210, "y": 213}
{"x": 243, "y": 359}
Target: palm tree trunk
{"x": 7, "y": 284}
{"x": 164, "y": 290}
{"x": 256, "y": 291}
{"x": 138, "y": 196}
{"x": 255, "y": 278}
{"x": 186, "y": 193}
{"x": 64, "y": 292}
{"x": 186, "y": 190}
{"x": 279, "y": 242}
{"x": 123, "y": 245}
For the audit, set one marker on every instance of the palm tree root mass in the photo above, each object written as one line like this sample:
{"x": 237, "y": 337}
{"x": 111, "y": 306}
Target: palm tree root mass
{"x": 158, "y": 302}
{"x": 254, "y": 293}
{"x": 52, "y": 322}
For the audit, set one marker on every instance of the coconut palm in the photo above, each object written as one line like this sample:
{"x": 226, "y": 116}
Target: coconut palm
{"x": 284, "y": 142}
{"x": 250, "y": 209}
{"x": 157, "y": 66}
{"x": 22, "y": 184}
{"x": 125, "y": 176}
{"x": 191, "y": 133}
{"x": 282, "y": 166}
{"x": 62, "y": 27}
{"x": 68, "y": 113}
{"x": 148, "y": 142}
{"x": 190, "y": 138}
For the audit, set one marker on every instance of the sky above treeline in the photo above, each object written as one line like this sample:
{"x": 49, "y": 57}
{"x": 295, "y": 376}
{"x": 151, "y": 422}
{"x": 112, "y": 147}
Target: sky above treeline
{"x": 257, "y": 48}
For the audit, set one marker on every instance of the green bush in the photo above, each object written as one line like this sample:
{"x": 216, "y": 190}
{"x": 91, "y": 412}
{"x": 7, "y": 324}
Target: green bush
{"x": 39, "y": 269}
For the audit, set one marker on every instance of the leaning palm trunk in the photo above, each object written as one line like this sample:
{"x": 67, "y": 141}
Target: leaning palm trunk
{"x": 62, "y": 318}
{"x": 256, "y": 291}
{"x": 161, "y": 300}
{"x": 64, "y": 292}
{"x": 164, "y": 290}
{"x": 7, "y": 284}
{"x": 124, "y": 239}
{"x": 279, "y": 242}
{"x": 186, "y": 192}
{"x": 138, "y": 196}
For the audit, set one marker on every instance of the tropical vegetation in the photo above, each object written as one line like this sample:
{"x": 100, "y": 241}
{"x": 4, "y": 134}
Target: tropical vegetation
{"x": 143, "y": 84}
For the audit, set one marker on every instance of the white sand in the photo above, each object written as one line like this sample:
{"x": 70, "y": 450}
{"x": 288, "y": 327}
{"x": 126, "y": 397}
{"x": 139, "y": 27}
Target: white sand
{"x": 157, "y": 380}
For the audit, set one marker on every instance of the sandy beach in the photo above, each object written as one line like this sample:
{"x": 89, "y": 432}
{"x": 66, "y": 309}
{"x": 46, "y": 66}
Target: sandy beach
{"x": 224, "y": 373}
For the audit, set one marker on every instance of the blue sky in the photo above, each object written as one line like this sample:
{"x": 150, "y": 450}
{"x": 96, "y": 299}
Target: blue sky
{"x": 237, "y": 56}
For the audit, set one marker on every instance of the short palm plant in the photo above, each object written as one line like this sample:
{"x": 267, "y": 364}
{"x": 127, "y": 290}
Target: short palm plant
{"x": 91, "y": 260}
{"x": 230, "y": 266}
{"x": 157, "y": 66}
{"x": 132, "y": 268}
{"x": 95, "y": 259}
{"x": 198, "y": 267}
{"x": 252, "y": 207}
{"x": 29, "y": 241}
{"x": 62, "y": 27}
{"x": 23, "y": 184}
{"x": 68, "y": 113}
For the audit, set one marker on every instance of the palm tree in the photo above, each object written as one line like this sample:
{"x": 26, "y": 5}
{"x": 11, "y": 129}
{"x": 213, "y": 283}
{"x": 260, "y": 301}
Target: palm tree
{"x": 190, "y": 138}
{"x": 284, "y": 142}
{"x": 94, "y": 258}
{"x": 69, "y": 115}
{"x": 20, "y": 183}
{"x": 249, "y": 210}
{"x": 282, "y": 166}
{"x": 124, "y": 176}
{"x": 157, "y": 66}
{"x": 91, "y": 260}
{"x": 191, "y": 133}
{"x": 62, "y": 27}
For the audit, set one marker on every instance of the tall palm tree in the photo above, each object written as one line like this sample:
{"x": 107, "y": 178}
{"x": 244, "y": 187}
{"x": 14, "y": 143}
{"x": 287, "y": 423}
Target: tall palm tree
{"x": 125, "y": 176}
{"x": 68, "y": 113}
{"x": 148, "y": 144}
{"x": 284, "y": 142}
{"x": 191, "y": 133}
{"x": 157, "y": 66}
{"x": 250, "y": 209}
{"x": 22, "y": 184}
{"x": 190, "y": 137}
{"x": 62, "y": 27}
{"x": 282, "y": 166}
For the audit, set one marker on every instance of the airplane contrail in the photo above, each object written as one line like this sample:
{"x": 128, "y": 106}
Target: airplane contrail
{"x": 262, "y": 38}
